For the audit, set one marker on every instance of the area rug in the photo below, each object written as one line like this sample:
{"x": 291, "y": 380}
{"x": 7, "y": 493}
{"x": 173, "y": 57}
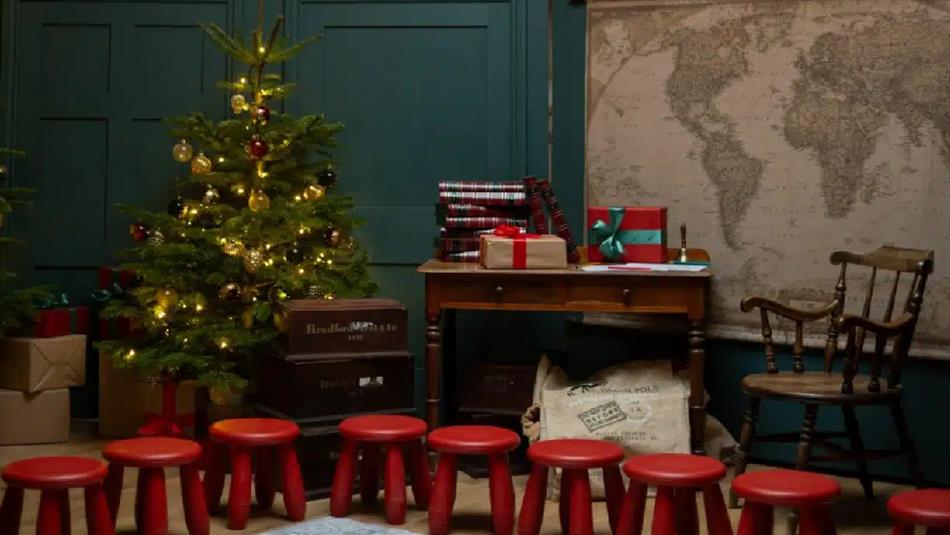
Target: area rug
{"x": 336, "y": 526}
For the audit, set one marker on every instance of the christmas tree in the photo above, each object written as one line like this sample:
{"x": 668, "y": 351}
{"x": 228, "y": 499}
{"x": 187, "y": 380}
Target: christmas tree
{"x": 16, "y": 304}
{"x": 255, "y": 222}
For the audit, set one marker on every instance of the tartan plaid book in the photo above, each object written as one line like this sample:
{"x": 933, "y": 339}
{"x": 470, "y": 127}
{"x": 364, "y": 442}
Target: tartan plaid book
{"x": 560, "y": 223}
{"x": 466, "y": 232}
{"x": 457, "y": 245}
{"x": 475, "y": 210}
{"x": 484, "y": 222}
{"x": 484, "y": 198}
{"x": 538, "y": 220}
{"x": 467, "y": 256}
{"x": 480, "y": 185}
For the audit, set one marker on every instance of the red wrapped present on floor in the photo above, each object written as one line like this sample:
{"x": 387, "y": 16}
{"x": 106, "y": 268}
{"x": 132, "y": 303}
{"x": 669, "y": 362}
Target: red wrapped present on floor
{"x": 626, "y": 234}
{"x": 57, "y": 318}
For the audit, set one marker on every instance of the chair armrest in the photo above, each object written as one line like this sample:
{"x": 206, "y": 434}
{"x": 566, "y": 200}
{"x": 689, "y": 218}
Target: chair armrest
{"x": 796, "y": 314}
{"x": 848, "y": 322}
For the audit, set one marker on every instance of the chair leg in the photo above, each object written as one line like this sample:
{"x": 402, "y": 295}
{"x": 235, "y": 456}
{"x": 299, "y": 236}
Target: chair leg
{"x": 264, "y": 478}
{"x": 11, "y": 510}
{"x": 441, "y": 502}
{"x": 99, "y": 519}
{"x": 664, "y": 512}
{"x": 113, "y": 490}
{"x": 564, "y": 505}
{"x": 805, "y": 444}
{"x": 369, "y": 474}
{"x": 64, "y": 514}
{"x": 857, "y": 446}
{"x": 717, "y": 518}
{"x": 613, "y": 490}
{"x": 502, "y": 494}
{"x": 395, "y": 488}
{"x": 687, "y": 517}
{"x": 294, "y": 500}
{"x": 630, "y": 519}
{"x": 421, "y": 477}
{"x": 756, "y": 519}
{"x": 193, "y": 501}
{"x": 532, "y": 504}
{"x": 341, "y": 495}
{"x": 155, "y": 503}
{"x": 239, "y": 495}
{"x": 48, "y": 519}
{"x": 907, "y": 443}
{"x": 214, "y": 475}
{"x": 581, "y": 516}
{"x": 746, "y": 437}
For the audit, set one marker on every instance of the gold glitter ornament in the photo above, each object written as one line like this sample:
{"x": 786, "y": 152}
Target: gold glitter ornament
{"x": 201, "y": 165}
{"x": 166, "y": 298}
{"x": 253, "y": 260}
{"x": 238, "y": 103}
{"x": 232, "y": 247}
{"x": 247, "y": 318}
{"x": 182, "y": 152}
{"x": 258, "y": 200}
{"x": 211, "y": 196}
{"x": 314, "y": 192}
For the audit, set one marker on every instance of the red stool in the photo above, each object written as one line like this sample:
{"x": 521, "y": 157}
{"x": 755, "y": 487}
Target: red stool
{"x": 390, "y": 432}
{"x": 677, "y": 478}
{"x": 151, "y": 455}
{"x": 243, "y": 436}
{"x": 929, "y": 507}
{"x": 575, "y": 457}
{"x": 493, "y": 442}
{"x": 53, "y": 477}
{"x": 764, "y": 490}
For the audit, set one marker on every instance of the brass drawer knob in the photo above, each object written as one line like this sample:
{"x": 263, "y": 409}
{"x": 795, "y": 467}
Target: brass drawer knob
{"x": 626, "y": 295}
{"x": 499, "y": 292}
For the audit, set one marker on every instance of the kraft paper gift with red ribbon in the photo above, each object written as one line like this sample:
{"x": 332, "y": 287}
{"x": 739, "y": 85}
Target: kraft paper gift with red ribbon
{"x": 626, "y": 234}
{"x": 511, "y": 248}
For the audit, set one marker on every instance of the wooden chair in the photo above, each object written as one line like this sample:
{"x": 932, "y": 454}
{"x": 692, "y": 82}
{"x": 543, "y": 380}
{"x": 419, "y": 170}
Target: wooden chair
{"x": 853, "y": 387}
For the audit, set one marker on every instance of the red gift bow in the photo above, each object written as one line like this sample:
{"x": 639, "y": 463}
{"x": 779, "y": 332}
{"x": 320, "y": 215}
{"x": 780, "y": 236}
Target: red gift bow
{"x": 519, "y": 252}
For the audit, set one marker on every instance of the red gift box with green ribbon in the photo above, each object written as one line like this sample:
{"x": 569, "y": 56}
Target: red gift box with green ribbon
{"x": 56, "y": 318}
{"x": 626, "y": 234}
{"x": 113, "y": 284}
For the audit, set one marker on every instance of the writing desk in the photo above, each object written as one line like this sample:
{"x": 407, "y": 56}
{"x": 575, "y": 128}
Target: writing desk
{"x": 466, "y": 286}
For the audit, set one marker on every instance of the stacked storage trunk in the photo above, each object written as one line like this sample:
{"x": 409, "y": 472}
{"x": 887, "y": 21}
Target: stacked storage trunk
{"x": 339, "y": 358}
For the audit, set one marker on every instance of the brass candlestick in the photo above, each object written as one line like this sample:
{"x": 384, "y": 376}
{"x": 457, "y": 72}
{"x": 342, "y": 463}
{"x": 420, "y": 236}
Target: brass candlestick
{"x": 683, "y": 256}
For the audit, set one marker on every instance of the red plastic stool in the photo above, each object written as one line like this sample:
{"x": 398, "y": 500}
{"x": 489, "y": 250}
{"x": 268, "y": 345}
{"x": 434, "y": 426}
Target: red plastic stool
{"x": 390, "y": 432}
{"x": 151, "y": 455}
{"x": 575, "y": 457}
{"x": 764, "y": 490}
{"x": 263, "y": 436}
{"x": 929, "y": 508}
{"x": 677, "y": 478}
{"x": 53, "y": 477}
{"x": 493, "y": 442}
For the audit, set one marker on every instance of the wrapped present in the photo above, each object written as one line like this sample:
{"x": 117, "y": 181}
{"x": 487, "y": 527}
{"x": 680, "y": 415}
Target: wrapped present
{"x": 57, "y": 318}
{"x": 627, "y": 234}
{"x": 38, "y": 418}
{"x": 511, "y": 248}
{"x": 37, "y": 364}
{"x": 113, "y": 284}
{"x": 111, "y": 277}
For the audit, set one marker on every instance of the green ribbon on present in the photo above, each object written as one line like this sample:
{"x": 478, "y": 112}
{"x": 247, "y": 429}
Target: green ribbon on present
{"x": 612, "y": 239}
{"x": 62, "y": 301}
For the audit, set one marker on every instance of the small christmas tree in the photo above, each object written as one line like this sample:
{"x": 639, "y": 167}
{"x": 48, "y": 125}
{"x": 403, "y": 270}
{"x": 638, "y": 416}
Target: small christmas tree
{"x": 254, "y": 223}
{"x": 16, "y": 304}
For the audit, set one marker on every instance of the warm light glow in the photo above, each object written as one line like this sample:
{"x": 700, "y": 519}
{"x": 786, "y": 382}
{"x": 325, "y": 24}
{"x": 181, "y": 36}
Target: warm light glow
{"x": 160, "y": 313}
{"x": 223, "y": 344}
{"x": 298, "y": 198}
{"x": 199, "y": 308}
{"x": 220, "y": 159}
{"x": 261, "y": 49}
{"x": 130, "y": 355}
{"x": 329, "y": 262}
{"x": 243, "y": 80}
{"x": 300, "y": 271}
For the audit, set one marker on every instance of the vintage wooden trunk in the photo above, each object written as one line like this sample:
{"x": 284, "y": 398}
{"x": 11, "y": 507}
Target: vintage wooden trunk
{"x": 337, "y": 387}
{"x": 502, "y": 389}
{"x": 319, "y": 328}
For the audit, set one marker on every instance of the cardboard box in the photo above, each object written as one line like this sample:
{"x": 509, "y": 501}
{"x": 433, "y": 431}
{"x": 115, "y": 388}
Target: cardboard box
{"x": 36, "y": 364}
{"x": 527, "y": 251}
{"x": 38, "y": 418}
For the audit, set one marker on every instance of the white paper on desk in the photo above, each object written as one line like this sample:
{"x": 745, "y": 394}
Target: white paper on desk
{"x": 645, "y": 266}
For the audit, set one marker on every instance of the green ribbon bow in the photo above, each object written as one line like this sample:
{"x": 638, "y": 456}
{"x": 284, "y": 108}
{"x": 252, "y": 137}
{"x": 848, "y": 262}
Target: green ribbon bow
{"x": 101, "y": 296}
{"x": 611, "y": 244}
{"x": 61, "y": 301}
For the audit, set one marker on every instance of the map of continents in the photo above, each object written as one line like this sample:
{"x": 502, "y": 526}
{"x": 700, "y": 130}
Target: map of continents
{"x": 778, "y": 132}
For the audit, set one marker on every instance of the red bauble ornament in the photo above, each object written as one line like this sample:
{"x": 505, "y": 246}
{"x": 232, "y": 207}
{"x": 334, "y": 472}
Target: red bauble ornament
{"x": 257, "y": 148}
{"x": 138, "y": 231}
{"x": 261, "y": 114}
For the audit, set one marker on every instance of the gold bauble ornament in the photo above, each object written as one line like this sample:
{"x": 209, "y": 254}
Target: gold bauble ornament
{"x": 314, "y": 192}
{"x": 280, "y": 321}
{"x": 230, "y": 292}
{"x": 247, "y": 318}
{"x": 253, "y": 260}
{"x": 182, "y": 152}
{"x": 232, "y": 247}
{"x": 211, "y": 196}
{"x": 201, "y": 165}
{"x": 258, "y": 200}
{"x": 238, "y": 103}
{"x": 166, "y": 298}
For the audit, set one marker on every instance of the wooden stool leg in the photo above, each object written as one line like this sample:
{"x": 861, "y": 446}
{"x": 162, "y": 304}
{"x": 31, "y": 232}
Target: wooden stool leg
{"x": 264, "y": 478}
{"x": 239, "y": 496}
{"x": 502, "y": 494}
{"x": 99, "y": 519}
{"x": 442, "y": 501}
{"x": 613, "y": 490}
{"x": 421, "y": 477}
{"x": 756, "y": 519}
{"x": 532, "y": 504}
{"x": 214, "y": 476}
{"x": 64, "y": 516}
{"x": 687, "y": 518}
{"x": 155, "y": 503}
{"x": 342, "y": 492}
{"x": 193, "y": 500}
{"x": 717, "y": 518}
{"x": 664, "y": 512}
{"x": 48, "y": 520}
{"x": 937, "y": 531}
{"x": 564, "y": 503}
{"x": 369, "y": 474}
{"x": 581, "y": 516}
{"x": 395, "y": 493}
{"x": 113, "y": 490}
{"x": 902, "y": 529}
{"x": 294, "y": 500}
{"x": 630, "y": 519}
{"x": 10, "y": 511}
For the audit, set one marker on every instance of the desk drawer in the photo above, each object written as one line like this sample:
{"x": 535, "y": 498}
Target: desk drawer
{"x": 644, "y": 295}
{"x": 509, "y": 291}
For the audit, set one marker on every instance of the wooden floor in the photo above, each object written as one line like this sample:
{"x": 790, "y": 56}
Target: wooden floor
{"x": 853, "y": 515}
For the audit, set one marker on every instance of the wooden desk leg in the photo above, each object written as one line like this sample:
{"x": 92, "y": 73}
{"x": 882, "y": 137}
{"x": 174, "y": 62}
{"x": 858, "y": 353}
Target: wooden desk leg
{"x": 697, "y": 387}
{"x": 433, "y": 366}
